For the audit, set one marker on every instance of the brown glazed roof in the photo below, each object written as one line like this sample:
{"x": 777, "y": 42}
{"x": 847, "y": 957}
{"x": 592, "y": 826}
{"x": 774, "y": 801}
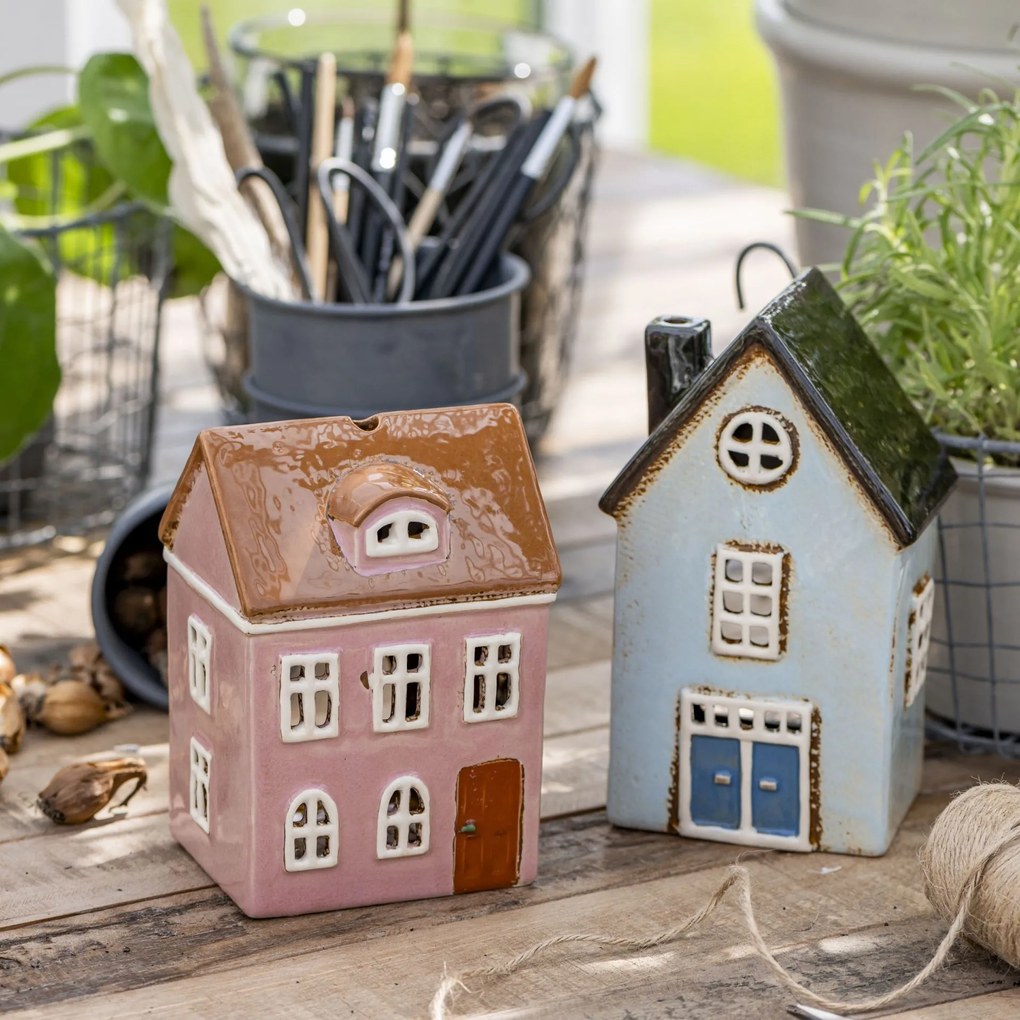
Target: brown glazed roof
{"x": 272, "y": 485}
{"x": 363, "y": 488}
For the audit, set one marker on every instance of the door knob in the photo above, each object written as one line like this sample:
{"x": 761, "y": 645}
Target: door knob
{"x": 467, "y": 828}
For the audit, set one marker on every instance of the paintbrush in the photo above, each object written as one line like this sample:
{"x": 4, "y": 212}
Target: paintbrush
{"x": 316, "y": 234}
{"x": 343, "y": 148}
{"x": 485, "y": 246}
{"x": 386, "y": 146}
{"x": 466, "y": 229}
{"x": 428, "y": 206}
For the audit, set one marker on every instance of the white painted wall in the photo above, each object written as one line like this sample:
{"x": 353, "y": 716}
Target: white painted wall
{"x": 59, "y": 32}
{"x": 618, "y": 33}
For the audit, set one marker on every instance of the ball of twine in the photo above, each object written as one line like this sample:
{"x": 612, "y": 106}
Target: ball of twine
{"x": 971, "y": 867}
{"x": 971, "y": 870}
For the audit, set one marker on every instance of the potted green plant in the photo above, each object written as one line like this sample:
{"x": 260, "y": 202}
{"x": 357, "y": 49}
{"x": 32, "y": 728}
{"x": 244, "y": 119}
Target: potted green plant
{"x": 65, "y": 180}
{"x": 932, "y": 271}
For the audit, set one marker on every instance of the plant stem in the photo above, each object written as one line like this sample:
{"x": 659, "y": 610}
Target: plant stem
{"x": 36, "y": 144}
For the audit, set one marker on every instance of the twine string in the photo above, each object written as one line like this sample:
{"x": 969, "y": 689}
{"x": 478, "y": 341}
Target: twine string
{"x": 939, "y": 859}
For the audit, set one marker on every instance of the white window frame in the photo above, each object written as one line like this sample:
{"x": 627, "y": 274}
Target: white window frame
{"x": 402, "y": 819}
{"x": 489, "y": 670}
{"x": 754, "y": 473}
{"x": 311, "y": 830}
{"x": 746, "y": 590}
{"x": 751, "y": 721}
{"x": 199, "y": 660}
{"x": 922, "y": 607}
{"x": 306, "y": 688}
{"x": 200, "y": 780}
{"x": 399, "y": 541}
{"x": 390, "y": 703}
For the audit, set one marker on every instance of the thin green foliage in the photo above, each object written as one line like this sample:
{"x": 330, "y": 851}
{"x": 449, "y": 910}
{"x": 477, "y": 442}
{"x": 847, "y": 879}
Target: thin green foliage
{"x": 932, "y": 268}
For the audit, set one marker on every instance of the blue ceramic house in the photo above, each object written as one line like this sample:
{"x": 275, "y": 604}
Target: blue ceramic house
{"x": 774, "y": 593}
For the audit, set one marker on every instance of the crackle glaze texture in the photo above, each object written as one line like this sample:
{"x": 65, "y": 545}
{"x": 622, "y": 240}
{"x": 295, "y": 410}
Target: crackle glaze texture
{"x": 465, "y": 462}
{"x": 853, "y": 519}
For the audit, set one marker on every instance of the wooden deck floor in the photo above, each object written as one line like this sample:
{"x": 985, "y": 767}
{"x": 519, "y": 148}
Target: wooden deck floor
{"x": 112, "y": 919}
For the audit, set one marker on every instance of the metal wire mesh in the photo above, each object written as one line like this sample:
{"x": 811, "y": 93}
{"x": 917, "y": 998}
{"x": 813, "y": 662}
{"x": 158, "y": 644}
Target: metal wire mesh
{"x": 973, "y": 686}
{"x": 92, "y": 455}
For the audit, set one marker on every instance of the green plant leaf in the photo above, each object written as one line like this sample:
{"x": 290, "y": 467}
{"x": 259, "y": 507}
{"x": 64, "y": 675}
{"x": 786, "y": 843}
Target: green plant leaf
{"x": 113, "y": 93}
{"x": 65, "y": 185}
{"x": 194, "y": 265}
{"x": 28, "y": 342}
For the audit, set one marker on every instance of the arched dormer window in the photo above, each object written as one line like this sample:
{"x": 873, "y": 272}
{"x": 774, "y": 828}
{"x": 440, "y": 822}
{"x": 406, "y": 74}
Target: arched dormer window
{"x": 388, "y": 516}
{"x": 404, "y": 533}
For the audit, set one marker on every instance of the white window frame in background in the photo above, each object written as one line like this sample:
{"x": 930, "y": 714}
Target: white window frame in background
{"x": 922, "y": 607}
{"x": 398, "y": 680}
{"x": 746, "y": 589}
{"x": 754, "y": 473}
{"x": 310, "y": 831}
{"x": 489, "y": 670}
{"x": 306, "y": 688}
{"x": 399, "y": 541}
{"x": 199, "y": 661}
{"x": 200, "y": 782}
{"x": 401, "y": 819}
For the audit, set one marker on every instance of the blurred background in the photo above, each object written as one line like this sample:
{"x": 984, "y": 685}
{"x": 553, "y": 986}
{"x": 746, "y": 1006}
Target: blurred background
{"x": 681, "y": 77}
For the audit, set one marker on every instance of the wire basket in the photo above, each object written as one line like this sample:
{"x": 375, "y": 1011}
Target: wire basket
{"x": 92, "y": 455}
{"x": 456, "y": 60}
{"x": 973, "y": 686}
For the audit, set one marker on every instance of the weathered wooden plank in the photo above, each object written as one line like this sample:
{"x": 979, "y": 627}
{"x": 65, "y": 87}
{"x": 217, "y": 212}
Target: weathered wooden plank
{"x": 712, "y": 973}
{"x": 580, "y": 632}
{"x": 574, "y": 771}
{"x": 1004, "y": 1005}
{"x": 116, "y": 859}
{"x": 577, "y": 698}
{"x": 800, "y": 899}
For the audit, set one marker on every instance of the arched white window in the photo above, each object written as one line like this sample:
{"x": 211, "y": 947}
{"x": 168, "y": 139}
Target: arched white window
{"x": 312, "y": 832}
{"x": 756, "y": 446}
{"x": 402, "y": 533}
{"x": 403, "y": 819}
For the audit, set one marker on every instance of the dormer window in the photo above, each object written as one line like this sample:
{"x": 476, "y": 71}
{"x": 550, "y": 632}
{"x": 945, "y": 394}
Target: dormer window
{"x": 387, "y": 516}
{"x": 404, "y": 533}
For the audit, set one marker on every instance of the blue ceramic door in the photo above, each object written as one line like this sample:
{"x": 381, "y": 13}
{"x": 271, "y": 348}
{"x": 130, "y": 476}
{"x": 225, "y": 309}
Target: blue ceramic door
{"x": 775, "y": 789}
{"x": 715, "y": 781}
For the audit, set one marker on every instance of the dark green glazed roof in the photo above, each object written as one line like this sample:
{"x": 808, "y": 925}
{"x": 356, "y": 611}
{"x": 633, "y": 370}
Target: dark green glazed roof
{"x": 840, "y": 376}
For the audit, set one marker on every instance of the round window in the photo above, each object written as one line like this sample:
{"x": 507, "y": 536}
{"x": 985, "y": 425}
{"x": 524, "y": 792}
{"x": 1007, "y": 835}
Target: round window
{"x": 756, "y": 446}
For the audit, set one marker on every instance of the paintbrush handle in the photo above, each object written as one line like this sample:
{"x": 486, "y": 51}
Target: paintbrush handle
{"x": 491, "y": 242}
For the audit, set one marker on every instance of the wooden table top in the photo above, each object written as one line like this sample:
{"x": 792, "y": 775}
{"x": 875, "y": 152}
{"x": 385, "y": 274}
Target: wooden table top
{"x": 113, "y": 919}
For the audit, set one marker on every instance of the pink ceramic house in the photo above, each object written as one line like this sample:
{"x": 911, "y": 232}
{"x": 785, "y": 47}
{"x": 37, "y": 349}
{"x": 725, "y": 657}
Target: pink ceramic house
{"x": 357, "y": 617}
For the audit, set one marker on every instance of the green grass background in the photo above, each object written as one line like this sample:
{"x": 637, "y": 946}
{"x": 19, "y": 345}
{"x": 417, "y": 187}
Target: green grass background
{"x": 713, "y": 91}
{"x": 713, "y": 94}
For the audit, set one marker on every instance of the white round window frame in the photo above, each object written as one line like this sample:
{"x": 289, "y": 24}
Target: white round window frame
{"x": 753, "y": 474}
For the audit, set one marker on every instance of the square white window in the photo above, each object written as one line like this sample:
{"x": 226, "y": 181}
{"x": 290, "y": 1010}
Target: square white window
{"x": 312, "y": 832}
{"x": 922, "y": 606}
{"x": 309, "y": 696}
{"x": 402, "y": 533}
{"x": 492, "y": 677}
{"x": 199, "y": 656}
{"x": 198, "y": 795}
{"x": 400, "y": 685}
{"x": 403, "y": 829}
{"x": 748, "y": 603}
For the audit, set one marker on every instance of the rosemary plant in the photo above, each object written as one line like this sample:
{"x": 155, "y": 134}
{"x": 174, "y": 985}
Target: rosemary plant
{"x": 932, "y": 268}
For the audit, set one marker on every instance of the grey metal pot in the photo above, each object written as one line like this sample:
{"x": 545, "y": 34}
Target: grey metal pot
{"x": 358, "y": 359}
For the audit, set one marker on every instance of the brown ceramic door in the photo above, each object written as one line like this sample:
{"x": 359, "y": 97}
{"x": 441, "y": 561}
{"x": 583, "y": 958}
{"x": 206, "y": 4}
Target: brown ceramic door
{"x": 487, "y": 846}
